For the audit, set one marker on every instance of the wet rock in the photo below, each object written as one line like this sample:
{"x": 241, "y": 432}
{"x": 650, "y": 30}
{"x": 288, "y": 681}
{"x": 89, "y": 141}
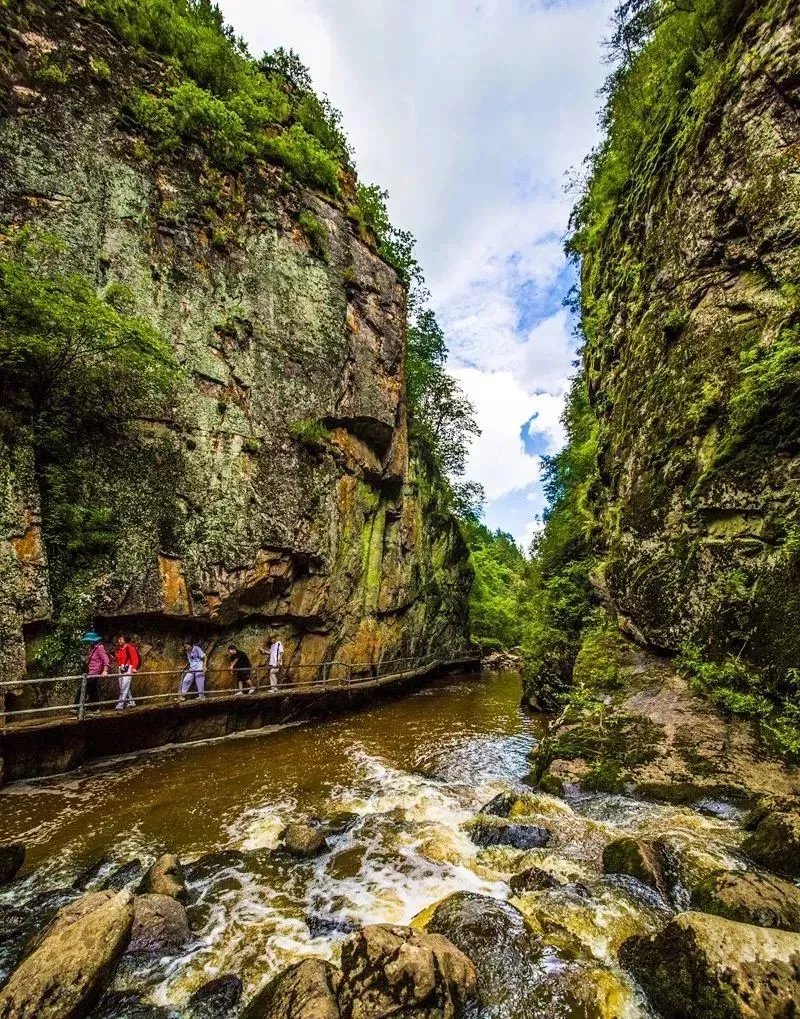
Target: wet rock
{"x": 552, "y": 784}
{"x": 637, "y": 858}
{"x": 20, "y": 924}
{"x": 130, "y": 1005}
{"x": 498, "y": 940}
{"x": 216, "y": 999}
{"x": 304, "y": 841}
{"x": 211, "y": 864}
{"x": 124, "y": 875}
{"x": 165, "y": 877}
{"x": 774, "y": 841}
{"x": 590, "y": 992}
{"x": 307, "y": 990}
{"x": 160, "y": 925}
{"x": 518, "y": 836}
{"x": 726, "y": 970}
{"x": 500, "y": 805}
{"x": 67, "y": 974}
{"x": 323, "y": 926}
{"x": 68, "y": 914}
{"x": 534, "y": 879}
{"x": 90, "y": 874}
{"x": 759, "y": 899}
{"x": 340, "y": 823}
{"x": 390, "y": 971}
{"x": 12, "y": 856}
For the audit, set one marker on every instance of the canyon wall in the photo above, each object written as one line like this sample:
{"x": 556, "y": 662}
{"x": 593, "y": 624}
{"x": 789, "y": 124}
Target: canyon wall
{"x": 276, "y": 493}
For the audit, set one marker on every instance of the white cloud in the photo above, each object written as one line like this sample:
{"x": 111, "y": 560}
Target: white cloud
{"x": 470, "y": 112}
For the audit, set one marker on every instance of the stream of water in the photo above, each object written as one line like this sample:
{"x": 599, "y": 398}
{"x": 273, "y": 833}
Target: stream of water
{"x": 412, "y": 770}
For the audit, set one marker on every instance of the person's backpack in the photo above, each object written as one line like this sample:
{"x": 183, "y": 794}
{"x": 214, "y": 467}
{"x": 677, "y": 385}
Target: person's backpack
{"x": 134, "y": 657}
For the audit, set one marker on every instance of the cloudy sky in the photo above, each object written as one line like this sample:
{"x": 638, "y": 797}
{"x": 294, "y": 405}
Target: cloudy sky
{"x": 471, "y": 113}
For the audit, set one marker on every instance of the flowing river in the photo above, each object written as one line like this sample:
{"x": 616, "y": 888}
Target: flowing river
{"x": 409, "y": 772}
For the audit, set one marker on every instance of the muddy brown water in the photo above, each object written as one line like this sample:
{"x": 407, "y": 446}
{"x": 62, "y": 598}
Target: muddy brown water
{"x": 410, "y": 770}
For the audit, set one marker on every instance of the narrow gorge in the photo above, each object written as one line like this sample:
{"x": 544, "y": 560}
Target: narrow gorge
{"x": 477, "y": 781}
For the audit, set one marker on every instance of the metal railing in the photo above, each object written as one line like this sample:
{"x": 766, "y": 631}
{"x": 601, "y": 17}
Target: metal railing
{"x": 82, "y": 694}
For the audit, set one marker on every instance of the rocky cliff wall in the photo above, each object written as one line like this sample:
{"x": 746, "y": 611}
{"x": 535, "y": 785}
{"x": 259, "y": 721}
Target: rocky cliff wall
{"x": 692, "y": 318}
{"x": 277, "y": 491}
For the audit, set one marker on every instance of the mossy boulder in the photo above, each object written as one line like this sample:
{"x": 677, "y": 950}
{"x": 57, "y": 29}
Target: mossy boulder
{"x": 712, "y": 968}
{"x": 304, "y": 841}
{"x": 306, "y": 990}
{"x": 533, "y": 879}
{"x": 760, "y": 899}
{"x": 502, "y": 833}
{"x": 638, "y": 858}
{"x": 775, "y": 842}
{"x": 165, "y": 877}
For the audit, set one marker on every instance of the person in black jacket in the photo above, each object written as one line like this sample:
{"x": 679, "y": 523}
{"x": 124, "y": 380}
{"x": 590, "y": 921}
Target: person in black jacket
{"x": 241, "y": 669}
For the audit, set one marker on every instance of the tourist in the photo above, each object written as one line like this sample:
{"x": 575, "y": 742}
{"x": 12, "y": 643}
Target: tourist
{"x": 275, "y": 661}
{"x": 240, "y": 669}
{"x": 195, "y": 672}
{"x": 96, "y": 666}
{"x": 128, "y": 662}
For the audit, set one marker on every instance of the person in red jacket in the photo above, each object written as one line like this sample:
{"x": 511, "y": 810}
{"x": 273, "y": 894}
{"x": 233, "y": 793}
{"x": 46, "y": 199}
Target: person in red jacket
{"x": 128, "y": 661}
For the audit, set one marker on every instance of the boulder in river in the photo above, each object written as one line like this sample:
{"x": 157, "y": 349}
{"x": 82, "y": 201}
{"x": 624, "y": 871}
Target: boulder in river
{"x": 216, "y": 999}
{"x": 533, "y": 879}
{"x": 307, "y": 990}
{"x": 68, "y": 972}
{"x": 749, "y": 897}
{"x": 124, "y": 875}
{"x": 69, "y": 913}
{"x": 638, "y": 858}
{"x": 304, "y": 841}
{"x": 389, "y": 970}
{"x": 160, "y": 925}
{"x": 90, "y": 873}
{"x": 498, "y": 940}
{"x": 727, "y": 970}
{"x": 165, "y": 877}
{"x": 500, "y": 805}
{"x": 774, "y": 840}
{"x": 12, "y": 856}
{"x": 484, "y": 831}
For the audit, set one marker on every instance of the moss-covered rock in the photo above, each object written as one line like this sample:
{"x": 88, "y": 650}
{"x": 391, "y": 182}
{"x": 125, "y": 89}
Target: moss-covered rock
{"x": 775, "y": 842}
{"x": 726, "y": 970}
{"x": 637, "y": 858}
{"x": 749, "y": 897}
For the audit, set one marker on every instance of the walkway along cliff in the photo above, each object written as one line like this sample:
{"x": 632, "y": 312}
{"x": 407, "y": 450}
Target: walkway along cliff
{"x": 271, "y": 484}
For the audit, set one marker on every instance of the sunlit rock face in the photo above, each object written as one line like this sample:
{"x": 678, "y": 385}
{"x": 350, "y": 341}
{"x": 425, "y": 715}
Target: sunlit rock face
{"x": 689, "y": 298}
{"x": 278, "y": 490}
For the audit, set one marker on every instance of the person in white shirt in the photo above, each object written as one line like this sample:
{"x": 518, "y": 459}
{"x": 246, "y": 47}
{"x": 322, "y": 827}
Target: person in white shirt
{"x": 275, "y": 654}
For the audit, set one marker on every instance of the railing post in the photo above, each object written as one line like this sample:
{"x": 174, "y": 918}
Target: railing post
{"x": 82, "y": 698}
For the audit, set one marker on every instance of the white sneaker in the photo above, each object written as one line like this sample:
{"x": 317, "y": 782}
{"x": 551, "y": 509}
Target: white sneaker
{"x": 120, "y": 706}
{"x": 239, "y": 693}
{"x": 252, "y": 689}
{"x": 131, "y": 704}
{"x": 201, "y": 696}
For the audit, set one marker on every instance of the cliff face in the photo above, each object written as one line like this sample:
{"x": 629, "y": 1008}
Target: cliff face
{"x": 693, "y": 326}
{"x": 276, "y": 490}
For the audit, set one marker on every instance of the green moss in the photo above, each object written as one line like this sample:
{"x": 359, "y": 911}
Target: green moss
{"x": 316, "y": 232}
{"x": 310, "y": 433}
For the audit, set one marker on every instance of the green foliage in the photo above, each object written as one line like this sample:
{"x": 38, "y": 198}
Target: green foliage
{"x": 495, "y": 600}
{"x": 396, "y": 246}
{"x": 100, "y": 69}
{"x": 65, "y": 349}
{"x": 310, "y": 433}
{"x": 558, "y": 596}
{"x": 235, "y": 107}
{"x": 670, "y": 58}
{"x": 316, "y": 232}
{"x": 738, "y": 688}
{"x": 52, "y": 74}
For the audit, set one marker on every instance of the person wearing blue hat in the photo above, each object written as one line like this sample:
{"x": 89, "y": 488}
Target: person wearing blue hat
{"x": 96, "y": 665}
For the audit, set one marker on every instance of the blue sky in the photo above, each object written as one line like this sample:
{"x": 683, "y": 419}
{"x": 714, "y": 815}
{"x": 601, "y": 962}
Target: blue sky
{"x": 471, "y": 113}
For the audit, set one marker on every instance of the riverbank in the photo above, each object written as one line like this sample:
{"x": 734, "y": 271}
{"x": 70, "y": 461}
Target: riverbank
{"x": 35, "y": 750}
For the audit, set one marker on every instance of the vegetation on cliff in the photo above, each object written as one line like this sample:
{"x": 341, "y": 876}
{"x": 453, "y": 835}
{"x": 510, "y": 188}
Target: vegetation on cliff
{"x": 671, "y": 502}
